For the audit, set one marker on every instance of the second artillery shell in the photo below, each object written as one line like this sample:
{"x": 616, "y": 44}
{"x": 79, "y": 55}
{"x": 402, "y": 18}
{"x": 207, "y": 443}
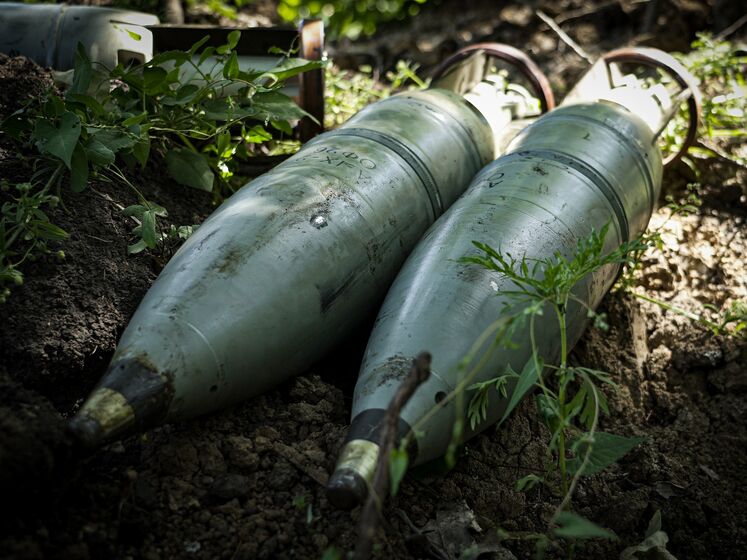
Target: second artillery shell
{"x": 580, "y": 168}
{"x": 291, "y": 263}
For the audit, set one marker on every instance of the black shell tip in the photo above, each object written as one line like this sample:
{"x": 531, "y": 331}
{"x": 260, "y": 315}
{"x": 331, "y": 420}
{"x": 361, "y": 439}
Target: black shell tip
{"x": 346, "y": 489}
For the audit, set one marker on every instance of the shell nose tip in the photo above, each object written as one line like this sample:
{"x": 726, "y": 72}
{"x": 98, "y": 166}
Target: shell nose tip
{"x": 86, "y": 430}
{"x": 346, "y": 489}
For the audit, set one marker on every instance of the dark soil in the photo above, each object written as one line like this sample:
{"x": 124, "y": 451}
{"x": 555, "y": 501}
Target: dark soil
{"x": 249, "y": 482}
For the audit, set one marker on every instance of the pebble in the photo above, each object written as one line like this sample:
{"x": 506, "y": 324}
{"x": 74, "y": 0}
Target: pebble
{"x": 229, "y": 486}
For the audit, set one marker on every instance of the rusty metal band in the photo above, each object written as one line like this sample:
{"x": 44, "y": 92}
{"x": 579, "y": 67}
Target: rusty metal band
{"x": 513, "y": 56}
{"x": 580, "y": 166}
{"x": 655, "y": 58}
{"x": 405, "y": 153}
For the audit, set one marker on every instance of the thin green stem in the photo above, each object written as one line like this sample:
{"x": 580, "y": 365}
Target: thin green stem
{"x": 465, "y": 381}
{"x": 674, "y": 309}
{"x": 560, "y": 313}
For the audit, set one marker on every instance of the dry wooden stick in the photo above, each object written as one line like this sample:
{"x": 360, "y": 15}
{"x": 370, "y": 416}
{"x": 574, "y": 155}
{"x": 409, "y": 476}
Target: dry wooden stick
{"x": 371, "y": 512}
{"x": 564, "y": 36}
{"x": 731, "y": 29}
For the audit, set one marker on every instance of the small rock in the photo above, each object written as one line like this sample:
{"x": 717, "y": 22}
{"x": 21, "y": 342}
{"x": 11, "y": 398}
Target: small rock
{"x": 211, "y": 459}
{"x": 710, "y": 472}
{"x": 241, "y": 455}
{"x": 229, "y": 486}
{"x": 517, "y": 15}
{"x": 320, "y": 540}
{"x": 178, "y": 458}
{"x": 192, "y": 547}
{"x": 146, "y": 493}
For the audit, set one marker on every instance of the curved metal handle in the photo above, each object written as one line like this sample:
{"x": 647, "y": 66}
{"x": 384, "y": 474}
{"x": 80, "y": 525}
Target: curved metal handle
{"x": 515, "y": 57}
{"x": 655, "y": 58}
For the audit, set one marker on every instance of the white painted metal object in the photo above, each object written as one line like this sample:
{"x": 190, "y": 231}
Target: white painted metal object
{"x": 591, "y": 162}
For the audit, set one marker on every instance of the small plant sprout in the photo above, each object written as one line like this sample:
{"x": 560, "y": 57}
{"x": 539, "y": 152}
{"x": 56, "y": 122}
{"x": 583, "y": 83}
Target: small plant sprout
{"x": 25, "y": 229}
{"x": 569, "y": 399}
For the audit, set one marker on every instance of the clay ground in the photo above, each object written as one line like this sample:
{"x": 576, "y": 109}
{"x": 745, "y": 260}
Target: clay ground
{"x": 249, "y": 482}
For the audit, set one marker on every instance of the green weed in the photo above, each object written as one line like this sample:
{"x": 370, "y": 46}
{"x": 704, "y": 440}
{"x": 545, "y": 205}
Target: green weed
{"x": 720, "y": 68}
{"x": 569, "y": 399}
{"x": 347, "y": 92}
{"x": 25, "y": 229}
{"x": 195, "y": 111}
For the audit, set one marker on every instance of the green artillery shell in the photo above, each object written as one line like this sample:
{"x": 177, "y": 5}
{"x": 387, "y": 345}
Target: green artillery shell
{"x": 291, "y": 263}
{"x": 575, "y": 169}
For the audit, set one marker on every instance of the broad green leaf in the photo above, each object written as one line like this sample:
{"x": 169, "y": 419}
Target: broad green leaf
{"x": 276, "y": 106}
{"x": 115, "y": 139}
{"x": 293, "y": 66}
{"x": 257, "y": 134}
{"x": 87, "y": 101}
{"x": 54, "y": 107}
{"x": 233, "y": 38}
{"x": 135, "y": 119}
{"x": 136, "y": 247}
{"x": 190, "y": 168}
{"x": 58, "y": 141}
{"x": 282, "y": 126}
{"x": 79, "y": 170}
{"x": 141, "y": 150}
{"x": 207, "y": 53}
{"x": 527, "y": 378}
{"x": 398, "y": 461}
{"x": 231, "y": 67}
{"x": 148, "y": 230}
{"x": 194, "y": 48}
{"x": 98, "y": 154}
{"x": 135, "y": 210}
{"x": 15, "y": 124}
{"x": 574, "y": 526}
{"x": 222, "y": 110}
{"x": 223, "y": 143}
{"x": 178, "y": 57}
{"x": 48, "y": 230}
{"x": 83, "y": 72}
{"x": 153, "y": 78}
{"x": 183, "y": 95}
{"x": 157, "y": 209}
{"x": 606, "y": 450}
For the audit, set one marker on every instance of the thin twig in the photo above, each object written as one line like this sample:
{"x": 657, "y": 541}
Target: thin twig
{"x": 583, "y": 12}
{"x": 731, "y": 29}
{"x": 370, "y": 515}
{"x": 564, "y": 36}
